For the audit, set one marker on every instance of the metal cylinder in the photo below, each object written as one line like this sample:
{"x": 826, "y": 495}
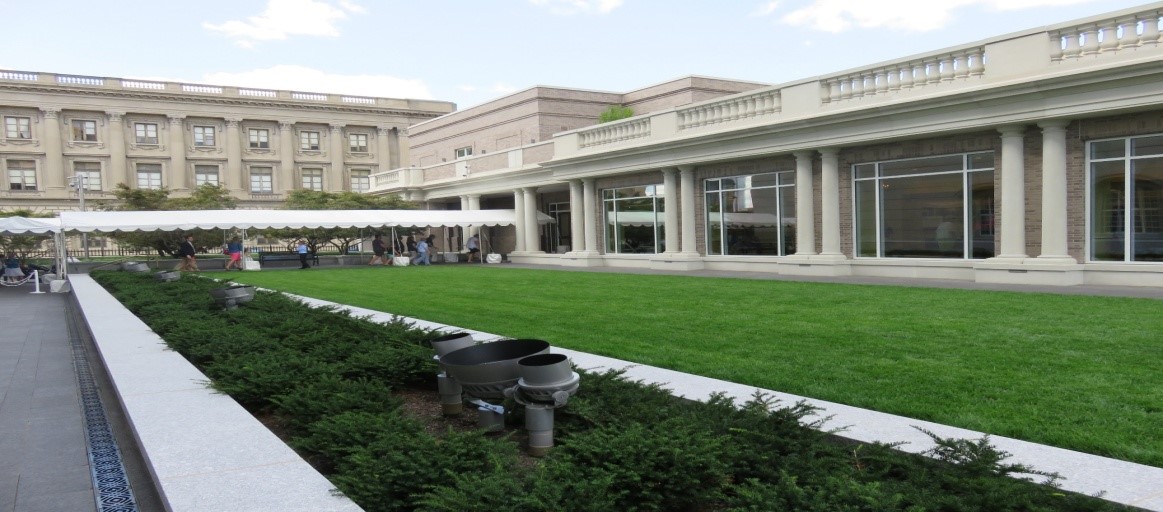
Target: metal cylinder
{"x": 451, "y": 399}
{"x": 539, "y": 424}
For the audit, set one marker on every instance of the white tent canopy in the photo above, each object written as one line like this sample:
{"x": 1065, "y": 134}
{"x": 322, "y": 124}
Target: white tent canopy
{"x": 108, "y": 222}
{"x": 28, "y": 226}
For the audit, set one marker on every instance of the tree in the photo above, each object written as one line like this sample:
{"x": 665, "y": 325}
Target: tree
{"x": 340, "y": 238}
{"x": 166, "y": 243}
{"x": 614, "y": 113}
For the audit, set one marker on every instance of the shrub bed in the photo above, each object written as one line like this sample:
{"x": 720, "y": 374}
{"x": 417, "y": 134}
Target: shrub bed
{"x": 333, "y": 381}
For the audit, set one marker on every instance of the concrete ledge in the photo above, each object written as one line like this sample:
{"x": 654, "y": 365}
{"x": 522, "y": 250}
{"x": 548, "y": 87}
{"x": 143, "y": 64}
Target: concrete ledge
{"x": 204, "y": 451}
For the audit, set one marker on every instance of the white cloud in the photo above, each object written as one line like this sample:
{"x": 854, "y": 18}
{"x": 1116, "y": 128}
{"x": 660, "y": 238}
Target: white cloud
{"x": 466, "y": 88}
{"x": 300, "y": 78}
{"x": 765, "y": 9}
{"x": 284, "y": 18}
{"x": 503, "y": 88}
{"x": 570, "y": 7}
{"x": 909, "y": 15}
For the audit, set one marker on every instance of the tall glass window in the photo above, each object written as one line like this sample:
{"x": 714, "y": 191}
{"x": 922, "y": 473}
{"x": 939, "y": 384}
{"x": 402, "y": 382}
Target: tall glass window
{"x": 261, "y": 181}
{"x": 634, "y": 220}
{"x": 933, "y": 207}
{"x": 1126, "y": 199}
{"x": 149, "y": 176}
{"x": 312, "y": 179}
{"x": 751, "y": 214}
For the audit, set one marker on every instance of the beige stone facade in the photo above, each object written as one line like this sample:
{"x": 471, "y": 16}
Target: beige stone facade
{"x": 1034, "y": 157}
{"x": 259, "y": 144}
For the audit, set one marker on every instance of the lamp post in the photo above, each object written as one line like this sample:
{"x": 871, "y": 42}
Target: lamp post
{"x": 81, "y": 182}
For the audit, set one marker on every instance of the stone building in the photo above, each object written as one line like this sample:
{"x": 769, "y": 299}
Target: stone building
{"x": 61, "y": 132}
{"x": 1032, "y": 157}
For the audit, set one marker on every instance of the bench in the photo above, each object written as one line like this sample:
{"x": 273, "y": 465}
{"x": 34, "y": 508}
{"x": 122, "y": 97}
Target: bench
{"x": 265, "y": 256}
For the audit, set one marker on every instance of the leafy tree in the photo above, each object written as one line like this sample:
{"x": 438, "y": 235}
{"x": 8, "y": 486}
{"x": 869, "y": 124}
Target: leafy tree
{"x": 340, "y": 238}
{"x": 22, "y": 245}
{"x": 205, "y": 197}
{"x": 614, "y": 113}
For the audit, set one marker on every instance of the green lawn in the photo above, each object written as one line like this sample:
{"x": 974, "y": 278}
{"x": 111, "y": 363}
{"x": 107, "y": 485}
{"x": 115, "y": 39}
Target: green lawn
{"x": 1071, "y": 371}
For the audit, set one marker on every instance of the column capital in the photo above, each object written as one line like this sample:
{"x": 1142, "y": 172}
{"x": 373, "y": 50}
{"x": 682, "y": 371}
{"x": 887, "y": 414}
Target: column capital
{"x": 337, "y": 127}
{"x": 669, "y": 171}
{"x": 383, "y": 130}
{"x": 114, "y": 116}
{"x": 1015, "y": 130}
{"x": 829, "y": 152}
{"x": 685, "y": 168}
{"x": 1052, "y": 124}
{"x": 529, "y": 190}
{"x": 806, "y": 154}
{"x": 286, "y": 125}
{"x": 233, "y": 122}
{"x": 473, "y": 196}
{"x": 176, "y": 119}
{"x": 50, "y": 112}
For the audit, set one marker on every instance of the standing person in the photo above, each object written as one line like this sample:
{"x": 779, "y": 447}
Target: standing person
{"x": 302, "y": 250}
{"x": 12, "y": 271}
{"x": 422, "y": 249}
{"x": 474, "y": 247}
{"x": 234, "y": 254}
{"x": 189, "y": 255}
{"x": 378, "y": 249}
{"x": 411, "y": 245}
{"x": 431, "y": 240}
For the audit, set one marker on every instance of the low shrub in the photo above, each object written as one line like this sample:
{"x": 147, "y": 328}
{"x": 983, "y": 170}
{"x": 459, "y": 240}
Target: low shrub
{"x": 329, "y": 377}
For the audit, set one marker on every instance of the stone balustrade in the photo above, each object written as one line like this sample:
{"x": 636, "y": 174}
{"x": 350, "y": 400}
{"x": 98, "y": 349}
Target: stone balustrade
{"x": 616, "y": 131}
{"x": 503, "y": 160}
{"x": 926, "y": 71}
{"x": 1131, "y": 35}
{"x": 1105, "y": 37}
{"x": 731, "y": 109}
{"x": 91, "y": 82}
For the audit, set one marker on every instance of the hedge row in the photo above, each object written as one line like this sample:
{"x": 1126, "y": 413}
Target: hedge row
{"x": 332, "y": 378}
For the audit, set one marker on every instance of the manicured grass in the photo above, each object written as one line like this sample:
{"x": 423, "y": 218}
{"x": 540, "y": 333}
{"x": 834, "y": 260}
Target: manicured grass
{"x": 1070, "y": 371}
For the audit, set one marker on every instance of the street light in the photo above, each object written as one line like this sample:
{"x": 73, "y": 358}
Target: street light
{"x": 81, "y": 182}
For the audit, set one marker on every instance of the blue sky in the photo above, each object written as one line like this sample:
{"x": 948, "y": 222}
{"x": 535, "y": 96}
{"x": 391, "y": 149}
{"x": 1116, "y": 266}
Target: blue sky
{"x": 471, "y": 51}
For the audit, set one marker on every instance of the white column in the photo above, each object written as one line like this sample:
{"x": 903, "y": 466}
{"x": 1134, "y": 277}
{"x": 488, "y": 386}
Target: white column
{"x": 286, "y": 178}
{"x": 234, "y": 153}
{"x": 830, "y": 202}
{"x": 1054, "y": 191}
{"x": 117, "y": 165}
{"x": 532, "y": 232}
{"x": 670, "y": 207}
{"x": 519, "y": 220}
{"x": 805, "y": 205}
{"x": 334, "y": 181}
{"x": 577, "y": 217}
{"x": 1013, "y": 193}
{"x": 383, "y": 149}
{"x": 179, "y": 175}
{"x": 474, "y": 203}
{"x": 687, "y": 178}
{"x": 589, "y": 207}
{"x": 54, "y": 166}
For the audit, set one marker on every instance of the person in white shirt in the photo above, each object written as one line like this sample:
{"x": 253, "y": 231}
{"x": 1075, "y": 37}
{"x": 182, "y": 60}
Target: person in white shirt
{"x": 474, "y": 248}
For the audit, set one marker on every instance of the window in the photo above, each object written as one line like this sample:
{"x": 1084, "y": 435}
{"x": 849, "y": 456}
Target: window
{"x": 313, "y": 179}
{"x": 17, "y": 128}
{"x": 309, "y": 141}
{"x": 464, "y": 152}
{"x": 90, "y": 174}
{"x": 84, "y": 130}
{"x": 146, "y": 133}
{"x": 21, "y": 175}
{"x": 361, "y": 180}
{"x": 933, "y": 207}
{"x": 752, "y": 215}
{"x": 259, "y": 138}
{"x": 204, "y": 136}
{"x": 149, "y": 176}
{"x": 261, "y": 181}
{"x": 357, "y": 142}
{"x": 1126, "y": 199}
{"x": 205, "y": 175}
{"x": 634, "y": 219}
